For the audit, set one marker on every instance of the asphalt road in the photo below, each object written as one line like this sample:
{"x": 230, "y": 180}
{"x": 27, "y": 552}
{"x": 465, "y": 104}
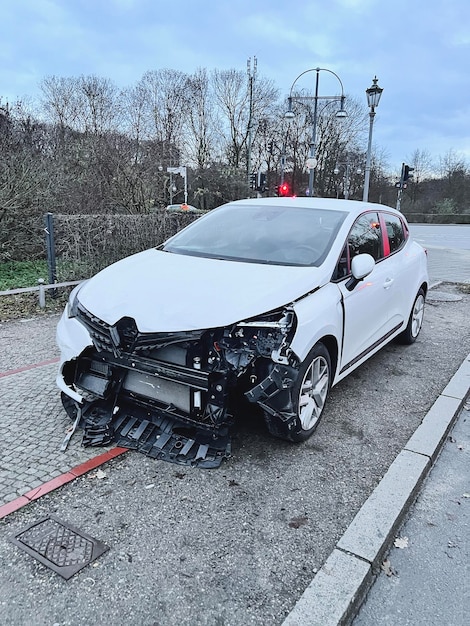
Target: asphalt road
{"x": 448, "y": 248}
{"x": 237, "y": 545}
{"x": 449, "y": 236}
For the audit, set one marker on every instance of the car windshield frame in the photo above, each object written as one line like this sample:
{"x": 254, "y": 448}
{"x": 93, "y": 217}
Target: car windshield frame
{"x": 264, "y": 234}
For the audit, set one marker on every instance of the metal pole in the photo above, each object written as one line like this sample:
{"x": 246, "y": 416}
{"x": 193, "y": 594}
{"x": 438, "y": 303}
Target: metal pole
{"x": 185, "y": 169}
{"x": 311, "y": 175}
{"x": 400, "y": 188}
{"x": 251, "y": 79}
{"x": 365, "y": 196}
{"x": 346, "y": 182}
{"x": 50, "y": 250}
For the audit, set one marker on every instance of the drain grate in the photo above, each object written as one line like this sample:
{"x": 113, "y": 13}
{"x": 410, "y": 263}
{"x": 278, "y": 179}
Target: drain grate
{"x": 59, "y": 546}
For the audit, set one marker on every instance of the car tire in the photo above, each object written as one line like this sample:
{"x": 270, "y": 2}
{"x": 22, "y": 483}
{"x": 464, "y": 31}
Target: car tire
{"x": 309, "y": 394}
{"x": 415, "y": 321}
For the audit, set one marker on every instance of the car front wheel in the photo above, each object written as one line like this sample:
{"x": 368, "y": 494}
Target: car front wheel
{"x": 309, "y": 395}
{"x": 415, "y": 321}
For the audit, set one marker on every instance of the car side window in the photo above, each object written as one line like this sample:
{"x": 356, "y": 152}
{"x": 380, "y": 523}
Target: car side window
{"x": 366, "y": 236}
{"x": 395, "y": 231}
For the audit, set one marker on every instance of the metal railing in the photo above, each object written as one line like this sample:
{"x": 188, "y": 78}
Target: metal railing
{"x": 41, "y": 288}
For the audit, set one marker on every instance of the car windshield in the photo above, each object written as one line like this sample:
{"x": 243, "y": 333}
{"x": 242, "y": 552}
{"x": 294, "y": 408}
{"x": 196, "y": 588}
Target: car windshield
{"x": 279, "y": 235}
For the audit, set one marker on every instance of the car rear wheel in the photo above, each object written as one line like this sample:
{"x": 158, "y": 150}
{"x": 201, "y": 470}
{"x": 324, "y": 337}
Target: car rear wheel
{"x": 309, "y": 395}
{"x": 415, "y": 321}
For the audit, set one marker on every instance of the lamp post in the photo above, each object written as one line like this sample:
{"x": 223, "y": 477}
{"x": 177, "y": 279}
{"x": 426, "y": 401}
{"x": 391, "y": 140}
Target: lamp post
{"x": 346, "y": 179}
{"x": 373, "y": 97}
{"x": 312, "y": 161}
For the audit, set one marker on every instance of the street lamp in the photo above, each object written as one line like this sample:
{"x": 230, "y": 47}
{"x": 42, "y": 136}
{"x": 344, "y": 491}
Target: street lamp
{"x": 373, "y": 97}
{"x": 347, "y": 178}
{"x": 312, "y": 161}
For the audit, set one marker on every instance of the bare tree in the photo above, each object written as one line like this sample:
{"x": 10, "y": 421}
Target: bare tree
{"x": 233, "y": 98}
{"x": 165, "y": 104}
{"x": 201, "y": 120}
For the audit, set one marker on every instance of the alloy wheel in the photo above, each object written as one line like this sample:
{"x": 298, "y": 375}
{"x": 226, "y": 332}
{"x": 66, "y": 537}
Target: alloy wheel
{"x": 417, "y": 315}
{"x": 313, "y": 392}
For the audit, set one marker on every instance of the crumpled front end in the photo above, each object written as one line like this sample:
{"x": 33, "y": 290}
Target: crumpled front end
{"x": 170, "y": 394}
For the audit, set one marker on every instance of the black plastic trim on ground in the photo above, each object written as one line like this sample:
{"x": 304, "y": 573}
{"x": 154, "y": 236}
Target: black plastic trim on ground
{"x": 167, "y": 439}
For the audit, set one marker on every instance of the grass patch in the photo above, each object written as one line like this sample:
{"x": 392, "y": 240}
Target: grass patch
{"x": 17, "y": 274}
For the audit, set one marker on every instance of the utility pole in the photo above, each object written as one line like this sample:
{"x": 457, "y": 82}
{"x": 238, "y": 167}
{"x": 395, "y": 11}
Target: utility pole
{"x": 251, "y": 80}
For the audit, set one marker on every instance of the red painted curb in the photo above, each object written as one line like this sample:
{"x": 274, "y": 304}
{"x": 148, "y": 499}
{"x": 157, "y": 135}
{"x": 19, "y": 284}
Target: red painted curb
{"x": 28, "y": 367}
{"x": 59, "y": 481}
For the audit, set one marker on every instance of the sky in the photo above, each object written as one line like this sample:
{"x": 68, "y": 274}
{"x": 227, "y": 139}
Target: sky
{"x": 419, "y": 50}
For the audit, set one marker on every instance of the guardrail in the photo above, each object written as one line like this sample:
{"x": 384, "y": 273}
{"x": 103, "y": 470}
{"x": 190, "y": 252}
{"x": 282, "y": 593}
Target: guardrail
{"x": 41, "y": 288}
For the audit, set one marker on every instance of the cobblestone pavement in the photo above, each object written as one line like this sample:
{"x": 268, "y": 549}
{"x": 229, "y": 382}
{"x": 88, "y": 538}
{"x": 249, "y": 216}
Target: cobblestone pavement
{"x": 32, "y": 428}
{"x": 33, "y": 422}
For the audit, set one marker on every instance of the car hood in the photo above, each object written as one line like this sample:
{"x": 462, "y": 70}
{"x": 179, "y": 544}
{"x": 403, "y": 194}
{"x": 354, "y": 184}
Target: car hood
{"x": 167, "y": 292}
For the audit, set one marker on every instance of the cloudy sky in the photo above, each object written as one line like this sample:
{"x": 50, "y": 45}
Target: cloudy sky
{"x": 419, "y": 50}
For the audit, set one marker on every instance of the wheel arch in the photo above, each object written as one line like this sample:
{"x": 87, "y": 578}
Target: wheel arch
{"x": 331, "y": 344}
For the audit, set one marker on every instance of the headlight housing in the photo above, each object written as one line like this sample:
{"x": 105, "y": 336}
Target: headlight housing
{"x": 72, "y": 304}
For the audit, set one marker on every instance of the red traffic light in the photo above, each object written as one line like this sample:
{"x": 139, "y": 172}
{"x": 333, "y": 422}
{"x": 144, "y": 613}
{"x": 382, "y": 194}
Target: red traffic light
{"x": 284, "y": 189}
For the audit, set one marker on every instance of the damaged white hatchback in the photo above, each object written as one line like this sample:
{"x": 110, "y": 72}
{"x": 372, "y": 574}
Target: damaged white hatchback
{"x": 273, "y": 299}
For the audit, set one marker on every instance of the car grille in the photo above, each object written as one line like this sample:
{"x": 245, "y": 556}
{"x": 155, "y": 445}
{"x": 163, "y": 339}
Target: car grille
{"x": 123, "y": 337}
{"x": 98, "y": 330}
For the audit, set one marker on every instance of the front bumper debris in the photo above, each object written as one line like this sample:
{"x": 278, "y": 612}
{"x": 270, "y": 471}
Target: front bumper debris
{"x": 162, "y": 437}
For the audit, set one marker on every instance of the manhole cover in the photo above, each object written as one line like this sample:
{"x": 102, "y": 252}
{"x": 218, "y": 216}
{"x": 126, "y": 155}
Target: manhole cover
{"x": 443, "y": 296}
{"x": 59, "y": 546}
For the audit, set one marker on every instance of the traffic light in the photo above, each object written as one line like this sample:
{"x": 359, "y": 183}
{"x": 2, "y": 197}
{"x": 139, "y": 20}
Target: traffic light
{"x": 283, "y": 189}
{"x": 407, "y": 173}
{"x": 253, "y": 180}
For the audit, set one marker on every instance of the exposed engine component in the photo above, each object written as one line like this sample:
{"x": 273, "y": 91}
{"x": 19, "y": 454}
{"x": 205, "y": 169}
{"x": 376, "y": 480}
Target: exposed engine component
{"x": 145, "y": 391}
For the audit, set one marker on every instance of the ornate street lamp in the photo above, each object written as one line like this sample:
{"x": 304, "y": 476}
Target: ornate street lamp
{"x": 373, "y": 98}
{"x": 312, "y": 161}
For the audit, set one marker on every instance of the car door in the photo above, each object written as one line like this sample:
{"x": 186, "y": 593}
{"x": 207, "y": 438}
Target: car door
{"x": 367, "y": 320}
{"x": 400, "y": 266}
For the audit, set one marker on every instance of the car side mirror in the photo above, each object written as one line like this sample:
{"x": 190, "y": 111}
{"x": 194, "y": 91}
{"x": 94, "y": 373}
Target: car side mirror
{"x": 361, "y": 266}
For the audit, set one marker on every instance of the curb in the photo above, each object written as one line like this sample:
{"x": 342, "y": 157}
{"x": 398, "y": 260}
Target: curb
{"x": 337, "y": 591}
{"x": 63, "y": 479}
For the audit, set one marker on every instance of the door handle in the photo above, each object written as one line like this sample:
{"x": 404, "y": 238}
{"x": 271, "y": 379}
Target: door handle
{"x": 388, "y": 283}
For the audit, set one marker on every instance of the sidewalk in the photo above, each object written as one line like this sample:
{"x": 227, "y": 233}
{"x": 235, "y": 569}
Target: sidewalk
{"x": 427, "y": 579}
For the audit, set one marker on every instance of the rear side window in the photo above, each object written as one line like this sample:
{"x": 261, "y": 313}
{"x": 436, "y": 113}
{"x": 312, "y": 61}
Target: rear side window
{"x": 395, "y": 231}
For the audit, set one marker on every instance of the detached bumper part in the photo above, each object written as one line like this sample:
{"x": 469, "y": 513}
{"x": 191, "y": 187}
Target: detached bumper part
{"x": 162, "y": 437}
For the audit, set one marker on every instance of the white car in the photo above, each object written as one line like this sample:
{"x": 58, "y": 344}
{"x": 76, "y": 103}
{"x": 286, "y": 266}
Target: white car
{"x": 271, "y": 299}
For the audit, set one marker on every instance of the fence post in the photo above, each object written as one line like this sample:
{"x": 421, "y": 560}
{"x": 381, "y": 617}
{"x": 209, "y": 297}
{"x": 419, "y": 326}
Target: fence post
{"x": 50, "y": 248}
{"x": 42, "y": 293}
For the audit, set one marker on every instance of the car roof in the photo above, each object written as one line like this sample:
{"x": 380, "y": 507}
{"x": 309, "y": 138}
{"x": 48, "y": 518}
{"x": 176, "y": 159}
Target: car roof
{"x": 332, "y": 204}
